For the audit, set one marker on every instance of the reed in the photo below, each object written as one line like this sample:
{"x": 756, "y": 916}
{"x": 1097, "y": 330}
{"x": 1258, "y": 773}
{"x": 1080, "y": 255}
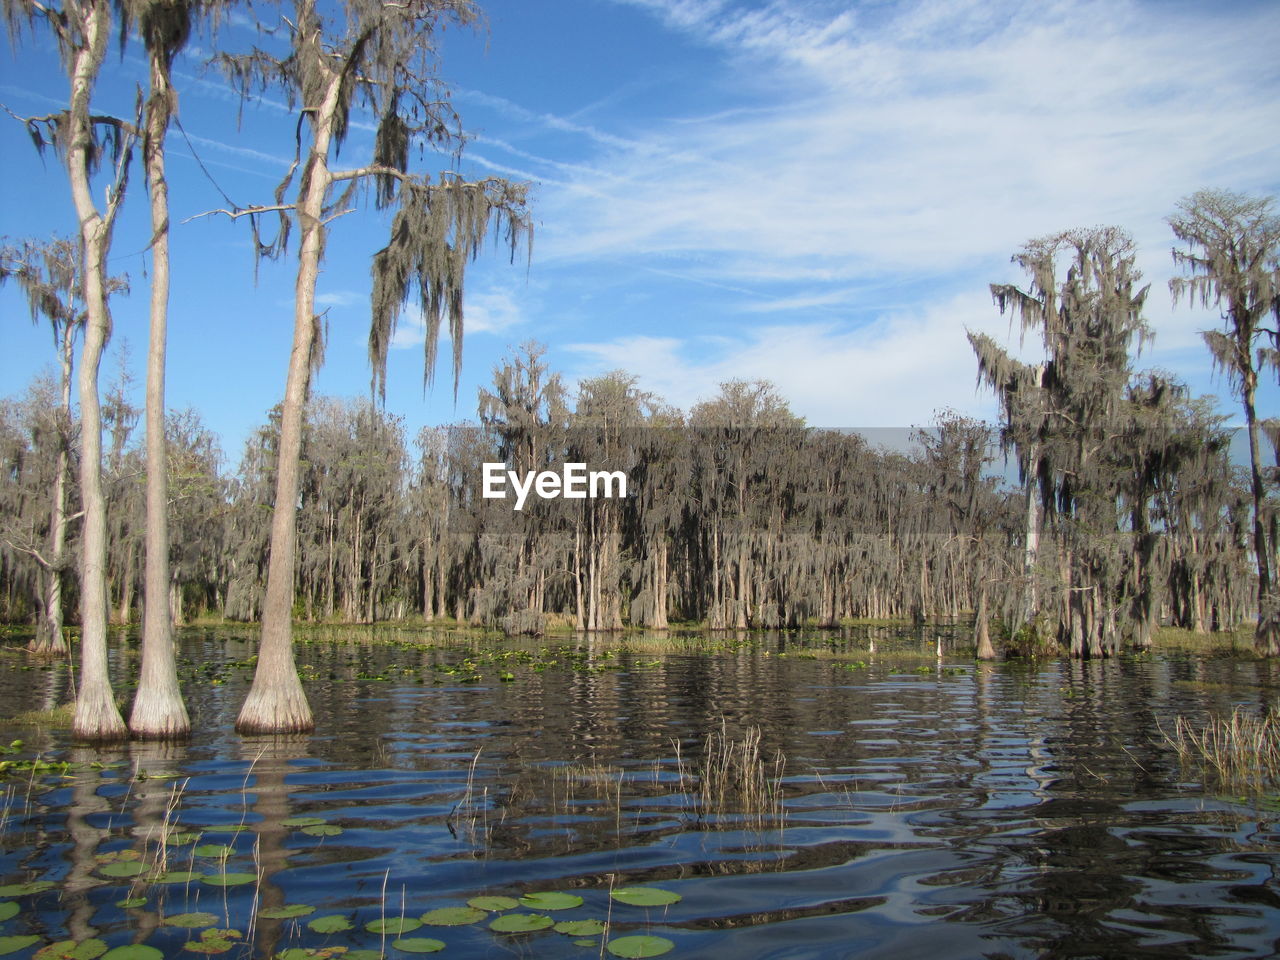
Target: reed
{"x": 1240, "y": 753}
{"x": 736, "y": 779}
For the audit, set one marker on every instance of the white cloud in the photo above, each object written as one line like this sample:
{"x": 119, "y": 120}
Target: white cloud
{"x": 930, "y": 136}
{"x": 896, "y": 371}
{"x": 489, "y": 311}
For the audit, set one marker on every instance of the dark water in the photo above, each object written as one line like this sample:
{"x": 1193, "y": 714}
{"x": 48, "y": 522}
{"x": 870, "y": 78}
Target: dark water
{"x": 930, "y": 808}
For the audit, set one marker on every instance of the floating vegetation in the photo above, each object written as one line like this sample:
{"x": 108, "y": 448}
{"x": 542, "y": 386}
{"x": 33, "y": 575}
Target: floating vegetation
{"x": 551, "y": 901}
{"x": 645, "y": 896}
{"x": 521, "y": 923}
{"x": 493, "y": 903}
{"x": 418, "y": 945}
{"x": 453, "y": 916}
{"x": 89, "y": 949}
{"x": 396, "y": 925}
{"x": 287, "y": 912}
{"x": 331, "y": 923}
{"x": 639, "y": 946}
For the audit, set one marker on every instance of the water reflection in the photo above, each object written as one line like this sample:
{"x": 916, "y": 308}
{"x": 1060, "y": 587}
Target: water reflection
{"x": 932, "y": 807}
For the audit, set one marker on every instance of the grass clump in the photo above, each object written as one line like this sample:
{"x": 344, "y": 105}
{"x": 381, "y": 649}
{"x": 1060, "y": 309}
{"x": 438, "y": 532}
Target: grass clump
{"x": 1239, "y": 753}
{"x": 58, "y": 718}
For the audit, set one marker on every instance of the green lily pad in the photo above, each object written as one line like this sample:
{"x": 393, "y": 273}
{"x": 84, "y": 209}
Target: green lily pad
{"x": 228, "y": 879}
{"x": 8, "y": 909}
{"x": 14, "y": 944}
{"x": 25, "y": 889}
{"x": 287, "y": 912}
{"x": 645, "y": 896}
{"x": 453, "y": 916}
{"x": 214, "y": 851}
{"x": 363, "y": 955}
{"x": 129, "y": 902}
{"x": 190, "y": 920}
{"x": 226, "y": 828}
{"x": 322, "y": 830}
{"x": 174, "y": 876}
{"x": 302, "y": 822}
{"x": 214, "y": 941}
{"x": 580, "y": 928}
{"x": 133, "y": 951}
{"x": 493, "y": 903}
{"x": 331, "y": 923}
{"x": 641, "y": 946}
{"x": 520, "y": 923}
{"x": 122, "y": 868}
{"x": 585, "y": 943}
{"x": 418, "y": 945}
{"x": 182, "y": 839}
{"x": 71, "y": 950}
{"x": 551, "y": 901}
{"x": 393, "y": 925}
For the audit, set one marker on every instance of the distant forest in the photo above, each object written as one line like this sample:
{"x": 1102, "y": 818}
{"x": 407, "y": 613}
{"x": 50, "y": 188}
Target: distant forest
{"x": 739, "y": 517}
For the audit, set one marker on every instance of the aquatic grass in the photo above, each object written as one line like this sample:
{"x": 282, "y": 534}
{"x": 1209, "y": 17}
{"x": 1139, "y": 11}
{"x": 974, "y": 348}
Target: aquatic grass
{"x": 1239, "y": 753}
{"x": 736, "y": 779}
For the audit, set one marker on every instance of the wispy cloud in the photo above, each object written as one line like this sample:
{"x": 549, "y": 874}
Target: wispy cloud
{"x": 932, "y": 136}
{"x": 894, "y": 371}
{"x": 487, "y": 311}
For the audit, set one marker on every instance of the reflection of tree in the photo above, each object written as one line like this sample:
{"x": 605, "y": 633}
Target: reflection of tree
{"x": 269, "y": 765}
{"x": 86, "y": 803}
{"x": 154, "y": 792}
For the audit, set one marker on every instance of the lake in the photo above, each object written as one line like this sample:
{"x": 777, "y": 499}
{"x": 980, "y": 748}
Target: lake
{"x": 802, "y": 796}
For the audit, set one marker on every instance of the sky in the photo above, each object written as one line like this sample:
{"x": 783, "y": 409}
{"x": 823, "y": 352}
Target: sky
{"x": 813, "y": 192}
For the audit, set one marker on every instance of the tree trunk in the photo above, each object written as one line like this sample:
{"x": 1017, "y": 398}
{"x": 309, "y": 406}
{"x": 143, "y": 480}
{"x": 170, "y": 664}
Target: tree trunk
{"x": 158, "y": 711}
{"x": 49, "y": 638}
{"x": 1267, "y": 634}
{"x": 97, "y": 717}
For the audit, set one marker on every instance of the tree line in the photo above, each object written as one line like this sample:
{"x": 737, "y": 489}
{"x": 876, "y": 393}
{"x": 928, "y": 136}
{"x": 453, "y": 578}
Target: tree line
{"x": 1129, "y": 509}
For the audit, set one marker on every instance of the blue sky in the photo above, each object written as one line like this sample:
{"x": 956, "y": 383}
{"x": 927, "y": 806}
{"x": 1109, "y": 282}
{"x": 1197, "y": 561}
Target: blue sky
{"x": 809, "y": 191}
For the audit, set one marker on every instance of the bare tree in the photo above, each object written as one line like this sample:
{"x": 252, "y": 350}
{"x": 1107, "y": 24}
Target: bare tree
{"x": 82, "y": 30}
{"x": 1232, "y": 258}
{"x": 382, "y": 58}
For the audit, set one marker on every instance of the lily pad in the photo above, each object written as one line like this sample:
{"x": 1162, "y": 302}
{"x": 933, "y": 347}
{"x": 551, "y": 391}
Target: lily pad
{"x": 453, "y": 916}
{"x": 585, "y": 943}
{"x": 122, "y": 868}
{"x": 580, "y": 928}
{"x": 71, "y": 950}
{"x": 520, "y": 923}
{"x": 393, "y": 925}
{"x": 228, "y": 879}
{"x": 14, "y": 944}
{"x": 8, "y": 909}
{"x": 639, "y": 946}
{"x": 214, "y": 941}
{"x": 331, "y": 923}
{"x": 133, "y": 951}
{"x": 551, "y": 901}
{"x": 493, "y": 903}
{"x": 190, "y": 920}
{"x": 214, "y": 851}
{"x": 25, "y": 889}
{"x": 174, "y": 876}
{"x": 645, "y": 896}
{"x": 418, "y": 945}
{"x": 363, "y": 955}
{"x": 287, "y": 912}
{"x": 302, "y": 822}
{"x": 129, "y": 902}
{"x": 182, "y": 839}
{"x": 322, "y": 830}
